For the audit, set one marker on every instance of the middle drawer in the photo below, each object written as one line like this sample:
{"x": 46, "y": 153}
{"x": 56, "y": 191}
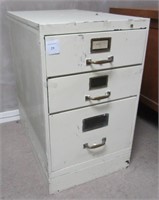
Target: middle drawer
{"x": 81, "y": 90}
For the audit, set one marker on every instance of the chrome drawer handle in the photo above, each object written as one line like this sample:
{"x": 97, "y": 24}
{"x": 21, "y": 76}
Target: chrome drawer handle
{"x": 88, "y": 98}
{"x": 100, "y": 62}
{"x": 94, "y": 146}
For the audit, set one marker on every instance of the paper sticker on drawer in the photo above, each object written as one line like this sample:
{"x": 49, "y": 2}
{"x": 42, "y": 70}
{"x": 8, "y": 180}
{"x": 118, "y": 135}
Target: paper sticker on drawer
{"x": 52, "y": 47}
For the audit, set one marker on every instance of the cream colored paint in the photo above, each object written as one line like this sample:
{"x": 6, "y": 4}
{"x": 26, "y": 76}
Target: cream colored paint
{"x": 58, "y": 138}
{"x": 72, "y": 90}
{"x": 126, "y": 48}
{"x": 67, "y": 137}
{"x": 8, "y": 94}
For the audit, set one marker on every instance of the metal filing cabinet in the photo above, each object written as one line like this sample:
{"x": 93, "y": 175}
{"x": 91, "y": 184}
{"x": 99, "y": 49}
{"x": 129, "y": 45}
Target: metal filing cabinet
{"x": 78, "y": 80}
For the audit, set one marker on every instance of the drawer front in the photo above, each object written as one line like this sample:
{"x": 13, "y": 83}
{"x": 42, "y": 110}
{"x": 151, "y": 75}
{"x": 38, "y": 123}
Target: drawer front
{"x": 92, "y": 88}
{"x": 68, "y": 54}
{"x": 107, "y": 125}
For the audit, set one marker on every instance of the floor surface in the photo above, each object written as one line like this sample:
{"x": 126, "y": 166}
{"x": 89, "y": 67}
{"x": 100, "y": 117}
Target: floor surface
{"x": 22, "y": 177}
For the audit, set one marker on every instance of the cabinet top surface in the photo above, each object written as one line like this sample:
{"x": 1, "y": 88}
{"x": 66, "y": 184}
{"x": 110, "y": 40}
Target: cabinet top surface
{"x": 53, "y": 17}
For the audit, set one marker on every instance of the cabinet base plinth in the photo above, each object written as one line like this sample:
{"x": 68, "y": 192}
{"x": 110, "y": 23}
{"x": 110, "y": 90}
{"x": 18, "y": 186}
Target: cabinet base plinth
{"x": 75, "y": 178}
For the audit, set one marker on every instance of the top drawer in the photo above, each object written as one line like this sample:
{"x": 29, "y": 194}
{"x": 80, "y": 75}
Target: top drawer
{"x": 75, "y": 53}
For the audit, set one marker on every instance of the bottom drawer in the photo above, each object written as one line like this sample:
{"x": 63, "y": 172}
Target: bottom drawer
{"x": 84, "y": 134}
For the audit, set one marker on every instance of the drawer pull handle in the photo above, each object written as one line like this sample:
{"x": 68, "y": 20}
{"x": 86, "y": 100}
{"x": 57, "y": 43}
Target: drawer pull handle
{"x": 88, "y": 98}
{"x": 94, "y": 146}
{"x": 100, "y": 62}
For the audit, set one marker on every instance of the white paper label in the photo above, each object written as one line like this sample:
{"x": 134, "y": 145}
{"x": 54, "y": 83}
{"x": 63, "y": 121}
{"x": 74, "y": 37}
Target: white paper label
{"x": 52, "y": 47}
{"x": 103, "y": 44}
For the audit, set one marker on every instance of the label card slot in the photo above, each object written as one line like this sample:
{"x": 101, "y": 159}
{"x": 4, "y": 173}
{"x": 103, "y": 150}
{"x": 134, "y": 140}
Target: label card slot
{"x": 98, "y": 82}
{"x": 99, "y": 45}
{"x": 95, "y": 122}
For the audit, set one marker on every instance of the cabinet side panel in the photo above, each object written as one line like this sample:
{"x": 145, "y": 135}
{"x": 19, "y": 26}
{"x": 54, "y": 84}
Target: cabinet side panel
{"x": 27, "y": 60}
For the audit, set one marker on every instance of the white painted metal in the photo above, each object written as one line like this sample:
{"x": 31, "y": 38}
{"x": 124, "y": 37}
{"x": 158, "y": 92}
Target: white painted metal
{"x": 77, "y": 21}
{"x": 34, "y": 138}
{"x": 57, "y": 138}
{"x": 126, "y": 47}
{"x": 104, "y": 166}
{"x": 67, "y": 137}
{"x": 30, "y": 86}
{"x": 70, "y": 91}
{"x": 57, "y": 17}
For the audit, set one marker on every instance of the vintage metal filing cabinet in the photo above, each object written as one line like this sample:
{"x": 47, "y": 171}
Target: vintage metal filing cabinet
{"x": 78, "y": 80}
